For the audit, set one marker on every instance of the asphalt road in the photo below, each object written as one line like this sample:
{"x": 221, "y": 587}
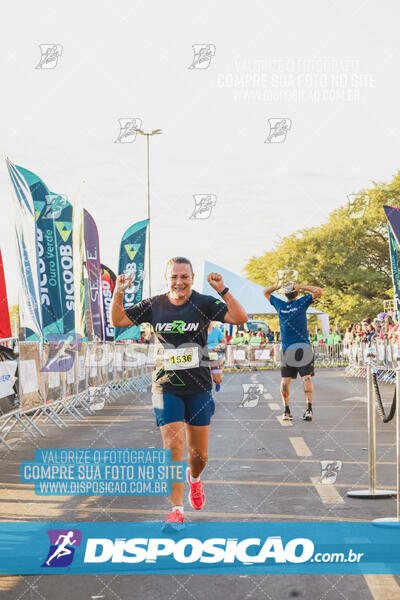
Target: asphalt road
{"x": 259, "y": 469}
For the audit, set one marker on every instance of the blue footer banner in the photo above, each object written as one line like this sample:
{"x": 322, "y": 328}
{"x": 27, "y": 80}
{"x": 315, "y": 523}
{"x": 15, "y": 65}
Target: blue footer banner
{"x": 203, "y": 547}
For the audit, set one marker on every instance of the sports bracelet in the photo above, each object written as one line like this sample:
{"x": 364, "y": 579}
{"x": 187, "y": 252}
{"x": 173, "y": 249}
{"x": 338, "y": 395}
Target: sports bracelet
{"x": 224, "y": 291}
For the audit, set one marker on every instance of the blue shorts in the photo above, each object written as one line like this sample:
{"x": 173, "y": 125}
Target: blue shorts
{"x": 193, "y": 409}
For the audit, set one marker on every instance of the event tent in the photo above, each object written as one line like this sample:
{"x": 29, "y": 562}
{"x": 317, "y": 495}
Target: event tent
{"x": 250, "y": 295}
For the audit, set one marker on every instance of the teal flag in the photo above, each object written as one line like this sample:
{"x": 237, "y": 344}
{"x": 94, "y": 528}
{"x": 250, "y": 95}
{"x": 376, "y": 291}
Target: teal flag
{"x": 55, "y": 260}
{"x": 131, "y": 261}
{"x": 394, "y": 261}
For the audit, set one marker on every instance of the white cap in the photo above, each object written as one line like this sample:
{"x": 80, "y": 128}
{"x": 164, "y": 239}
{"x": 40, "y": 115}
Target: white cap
{"x": 288, "y": 287}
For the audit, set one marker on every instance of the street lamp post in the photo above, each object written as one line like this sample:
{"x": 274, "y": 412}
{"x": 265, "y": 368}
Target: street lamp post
{"x": 154, "y": 132}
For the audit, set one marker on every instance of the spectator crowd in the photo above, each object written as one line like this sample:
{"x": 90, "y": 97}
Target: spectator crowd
{"x": 254, "y": 338}
{"x": 385, "y": 326}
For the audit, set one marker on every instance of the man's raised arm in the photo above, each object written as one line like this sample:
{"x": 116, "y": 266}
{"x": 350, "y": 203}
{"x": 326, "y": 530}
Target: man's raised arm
{"x": 315, "y": 290}
{"x": 268, "y": 291}
{"x": 118, "y": 315}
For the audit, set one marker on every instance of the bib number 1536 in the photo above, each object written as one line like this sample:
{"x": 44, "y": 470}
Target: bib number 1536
{"x": 181, "y": 358}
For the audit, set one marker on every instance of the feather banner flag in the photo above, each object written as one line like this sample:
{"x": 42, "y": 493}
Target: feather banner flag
{"x": 27, "y": 254}
{"x": 93, "y": 268}
{"x": 131, "y": 261}
{"x": 393, "y": 217}
{"x": 5, "y": 325}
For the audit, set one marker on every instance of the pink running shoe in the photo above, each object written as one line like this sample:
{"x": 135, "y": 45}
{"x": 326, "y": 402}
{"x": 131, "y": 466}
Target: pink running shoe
{"x": 197, "y": 496}
{"x": 174, "y": 521}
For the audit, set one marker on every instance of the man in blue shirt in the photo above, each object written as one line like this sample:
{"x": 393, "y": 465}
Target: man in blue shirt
{"x": 270, "y": 336}
{"x": 296, "y": 352}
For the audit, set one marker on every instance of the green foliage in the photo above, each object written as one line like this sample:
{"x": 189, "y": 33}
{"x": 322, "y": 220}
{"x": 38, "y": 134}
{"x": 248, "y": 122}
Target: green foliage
{"x": 348, "y": 256}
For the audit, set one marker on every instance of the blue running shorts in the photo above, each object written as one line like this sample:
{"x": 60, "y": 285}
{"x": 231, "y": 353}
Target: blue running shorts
{"x": 193, "y": 409}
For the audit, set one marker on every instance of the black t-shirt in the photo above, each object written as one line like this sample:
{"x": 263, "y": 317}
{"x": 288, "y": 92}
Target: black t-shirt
{"x": 183, "y": 327}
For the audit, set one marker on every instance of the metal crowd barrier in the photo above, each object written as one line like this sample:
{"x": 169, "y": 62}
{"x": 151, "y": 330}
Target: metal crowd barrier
{"x": 56, "y": 381}
{"x": 372, "y": 491}
{"x": 330, "y": 354}
{"x": 380, "y": 359}
{"x": 384, "y": 364}
{"x": 251, "y": 356}
{"x": 244, "y": 355}
{"x": 53, "y": 383}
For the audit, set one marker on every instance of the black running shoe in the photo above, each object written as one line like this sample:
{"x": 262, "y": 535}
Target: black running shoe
{"x": 308, "y": 415}
{"x": 287, "y": 415}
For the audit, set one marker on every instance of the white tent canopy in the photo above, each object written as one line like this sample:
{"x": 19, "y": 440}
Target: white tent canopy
{"x": 250, "y": 295}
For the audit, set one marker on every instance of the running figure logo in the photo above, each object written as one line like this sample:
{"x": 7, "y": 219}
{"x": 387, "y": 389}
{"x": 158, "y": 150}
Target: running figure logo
{"x": 203, "y": 205}
{"x": 278, "y": 129}
{"x": 62, "y": 547}
{"x": 55, "y": 204}
{"x": 357, "y": 206}
{"x": 137, "y": 275}
{"x": 62, "y": 349}
{"x": 287, "y": 274}
{"x": 128, "y": 130}
{"x": 251, "y": 394}
{"x": 330, "y": 470}
{"x": 203, "y": 53}
{"x": 50, "y": 53}
{"x": 98, "y": 397}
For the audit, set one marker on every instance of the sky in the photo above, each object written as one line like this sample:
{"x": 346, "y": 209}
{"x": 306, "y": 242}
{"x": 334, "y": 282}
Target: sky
{"x": 327, "y": 72}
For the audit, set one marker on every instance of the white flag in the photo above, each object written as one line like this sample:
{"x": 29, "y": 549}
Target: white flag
{"x": 25, "y": 229}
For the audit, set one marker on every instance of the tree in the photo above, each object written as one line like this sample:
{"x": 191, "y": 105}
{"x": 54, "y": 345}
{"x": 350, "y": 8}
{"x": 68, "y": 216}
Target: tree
{"x": 348, "y": 256}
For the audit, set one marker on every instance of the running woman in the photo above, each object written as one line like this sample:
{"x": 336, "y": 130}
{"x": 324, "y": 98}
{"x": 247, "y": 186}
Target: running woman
{"x": 216, "y": 345}
{"x": 296, "y": 352}
{"x": 182, "y": 399}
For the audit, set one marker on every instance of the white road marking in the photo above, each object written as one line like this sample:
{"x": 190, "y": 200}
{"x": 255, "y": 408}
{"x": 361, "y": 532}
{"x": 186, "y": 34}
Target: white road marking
{"x": 327, "y": 492}
{"x": 300, "y": 447}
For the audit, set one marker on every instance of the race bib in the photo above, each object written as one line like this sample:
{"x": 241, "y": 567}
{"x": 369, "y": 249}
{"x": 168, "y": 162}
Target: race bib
{"x": 213, "y": 355}
{"x": 181, "y": 358}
